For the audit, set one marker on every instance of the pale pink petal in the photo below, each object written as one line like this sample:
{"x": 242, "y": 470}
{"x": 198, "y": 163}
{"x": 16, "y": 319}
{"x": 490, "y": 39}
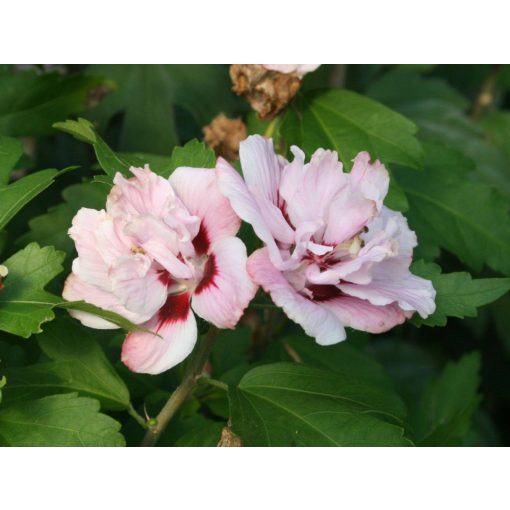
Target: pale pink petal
{"x": 278, "y": 225}
{"x": 261, "y": 167}
{"x": 392, "y": 225}
{"x": 412, "y": 293}
{"x": 226, "y": 288}
{"x": 244, "y": 204}
{"x": 363, "y": 316}
{"x": 137, "y": 285}
{"x": 356, "y": 270}
{"x": 371, "y": 179}
{"x": 316, "y": 320}
{"x": 198, "y": 190}
{"x": 308, "y": 190}
{"x": 177, "y": 329}
{"x": 159, "y": 241}
{"x": 78, "y": 290}
{"x": 297, "y": 69}
{"x": 145, "y": 193}
{"x": 349, "y": 212}
{"x": 99, "y": 242}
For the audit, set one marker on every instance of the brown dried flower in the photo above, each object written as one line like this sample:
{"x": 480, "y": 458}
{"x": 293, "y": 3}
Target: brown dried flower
{"x": 229, "y": 439}
{"x": 224, "y": 135}
{"x": 267, "y": 91}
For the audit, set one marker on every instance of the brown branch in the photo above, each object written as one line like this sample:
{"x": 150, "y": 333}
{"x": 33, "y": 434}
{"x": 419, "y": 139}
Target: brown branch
{"x": 182, "y": 392}
{"x": 486, "y": 95}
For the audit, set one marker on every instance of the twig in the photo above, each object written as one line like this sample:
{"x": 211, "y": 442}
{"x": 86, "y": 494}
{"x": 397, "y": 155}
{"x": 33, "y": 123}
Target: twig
{"x": 137, "y": 417}
{"x": 486, "y": 95}
{"x": 182, "y": 392}
{"x": 292, "y": 353}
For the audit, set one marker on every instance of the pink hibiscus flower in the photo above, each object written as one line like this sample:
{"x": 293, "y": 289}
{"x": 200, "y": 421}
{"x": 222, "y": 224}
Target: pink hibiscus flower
{"x": 334, "y": 256}
{"x": 162, "y": 248}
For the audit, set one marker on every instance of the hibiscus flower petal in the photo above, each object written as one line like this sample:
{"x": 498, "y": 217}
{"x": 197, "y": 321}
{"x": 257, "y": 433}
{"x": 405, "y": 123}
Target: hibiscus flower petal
{"x": 226, "y": 288}
{"x": 177, "y": 329}
{"x": 198, "y": 190}
{"x": 261, "y": 167}
{"x": 244, "y": 204}
{"x": 99, "y": 242}
{"x": 315, "y": 319}
{"x": 349, "y": 212}
{"x": 144, "y": 193}
{"x": 298, "y": 69}
{"x": 308, "y": 190}
{"x": 76, "y": 289}
{"x": 371, "y": 179}
{"x": 364, "y": 316}
{"x": 412, "y": 293}
{"x": 137, "y": 286}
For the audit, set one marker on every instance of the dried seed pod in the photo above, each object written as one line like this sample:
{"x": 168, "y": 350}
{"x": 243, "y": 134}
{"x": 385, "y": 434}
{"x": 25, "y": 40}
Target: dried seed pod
{"x": 224, "y": 136}
{"x": 229, "y": 439}
{"x": 267, "y": 91}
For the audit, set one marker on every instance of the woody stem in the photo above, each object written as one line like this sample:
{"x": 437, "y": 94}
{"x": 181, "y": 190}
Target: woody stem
{"x": 181, "y": 393}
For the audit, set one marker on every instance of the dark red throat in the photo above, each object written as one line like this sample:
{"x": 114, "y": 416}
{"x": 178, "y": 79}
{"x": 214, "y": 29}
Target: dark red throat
{"x": 324, "y": 292}
{"x": 175, "y": 309}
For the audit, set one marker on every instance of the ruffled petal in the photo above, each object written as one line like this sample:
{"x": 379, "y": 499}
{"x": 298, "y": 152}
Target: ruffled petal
{"x": 177, "y": 329}
{"x": 77, "y": 290}
{"x": 297, "y": 69}
{"x": 137, "y": 286}
{"x": 412, "y": 293}
{"x": 348, "y": 213}
{"x": 159, "y": 241}
{"x": 145, "y": 193}
{"x": 371, "y": 179}
{"x": 261, "y": 167}
{"x": 315, "y": 319}
{"x": 226, "y": 288}
{"x": 198, "y": 190}
{"x": 364, "y": 316}
{"x": 99, "y": 242}
{"x": 308, "y": 190}
{"x": 244, "y": 204}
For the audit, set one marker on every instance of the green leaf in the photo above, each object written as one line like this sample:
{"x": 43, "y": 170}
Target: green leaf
{"x": 409, "y": 365}
{"x": 83, "y": 130}
{"x": 148, "y": 96}
{"x": 342, "y": 358}
{"x": 440, "y": 114}
{"x": 405, "y": 88}
{"x": 78, "y": 365}
{"x": 11, "y": 151}
{"x": 467, "y": 218}
{"x": 112, "y": 317}
{"x": 285, "y": 404}
{"x": 14, "y": 196}
{"x": 30, "y": 103}
{"x": 448, "y": 403}
{"x": 349, "y": 123}
{"x": 458, "y": 295}
{"x": 59, "y": 420}
{"x": 194, "y": 154}
{"x": 51, "y": 228}
{"x": 3, "y": 380}
{"x": 206, "y": 433}
{"x": 230, "y": 349}
{"x": 24, "y": 304}
{"x": 158, "y": 164}
{"x": 497, "y": 126}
